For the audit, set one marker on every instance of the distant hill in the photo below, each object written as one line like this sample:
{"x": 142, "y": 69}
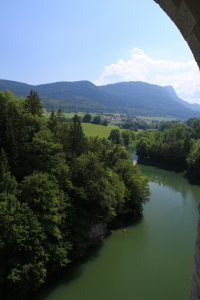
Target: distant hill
{"x": 134, "y": 98}
{"x": 149, "y": 99}
{"x": 173, "y": 94}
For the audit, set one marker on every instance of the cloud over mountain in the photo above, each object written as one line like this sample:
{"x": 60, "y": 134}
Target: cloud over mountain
{"x": 184, "y": 76}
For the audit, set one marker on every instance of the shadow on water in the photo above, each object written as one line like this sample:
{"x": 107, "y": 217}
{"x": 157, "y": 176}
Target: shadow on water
{"x": 76, "y": 268}
{"x": 132, "y": 223}
{"x": 67, "y": 274}
{"x": 175, "y": 181}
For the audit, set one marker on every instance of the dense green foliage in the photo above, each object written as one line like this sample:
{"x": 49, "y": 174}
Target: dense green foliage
{"x": 87, "y": 118}
{"x": 175, "y": 146}
{"x": 135, "y": 125}
{"x": 95, "y": 120}
{"x": 55, "y": 184}
{"x": 133, "y": 98}
{"x": 121, "y": 138}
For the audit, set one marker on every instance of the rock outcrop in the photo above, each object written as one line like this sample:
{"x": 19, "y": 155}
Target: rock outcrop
{"x": 98, "y": 232}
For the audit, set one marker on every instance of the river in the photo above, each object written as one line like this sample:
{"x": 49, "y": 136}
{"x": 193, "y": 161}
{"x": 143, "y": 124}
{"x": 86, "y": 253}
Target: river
{"x": 151, "y": 260}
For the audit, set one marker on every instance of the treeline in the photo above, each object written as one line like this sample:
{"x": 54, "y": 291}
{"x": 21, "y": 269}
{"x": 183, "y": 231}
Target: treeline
{"x": 135, "y": 125}
{"x": 145, "y": 125}
{"x": 87, "y": 118}
{"x": 125, "y": 138}
{"x": 176, "y": 146}
{"x": 55, "y": 185}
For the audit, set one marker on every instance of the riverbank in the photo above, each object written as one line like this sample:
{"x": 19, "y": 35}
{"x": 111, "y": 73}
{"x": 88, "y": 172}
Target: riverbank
{"x": 192, "y": 180}
{"x": 152, "y": 260}
{"x": 161, "y": 165}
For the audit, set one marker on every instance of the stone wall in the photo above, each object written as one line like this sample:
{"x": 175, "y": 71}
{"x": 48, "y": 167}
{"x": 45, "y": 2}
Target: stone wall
{"x": 186, "y": 15}
{"x": 195, "y": 286}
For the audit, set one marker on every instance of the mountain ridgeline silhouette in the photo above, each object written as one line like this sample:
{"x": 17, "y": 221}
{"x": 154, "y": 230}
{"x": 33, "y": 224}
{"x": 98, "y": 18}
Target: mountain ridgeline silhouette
{"x": 132, "y": 98}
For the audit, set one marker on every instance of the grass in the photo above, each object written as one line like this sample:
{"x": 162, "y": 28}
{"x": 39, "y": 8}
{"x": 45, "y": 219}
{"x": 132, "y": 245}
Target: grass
{"x": 98, "y": 130}
{"x": 67, "y": 115}
{"x": 157, "y": 118}
{"x": 88, "y": 128}
{"x": 80, "y": 114}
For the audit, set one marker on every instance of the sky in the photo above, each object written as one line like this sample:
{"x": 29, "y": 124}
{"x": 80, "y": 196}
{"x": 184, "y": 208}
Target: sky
{"x": 105, "y": 41}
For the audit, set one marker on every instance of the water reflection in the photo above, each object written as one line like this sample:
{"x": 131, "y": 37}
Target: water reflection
{"x": 72, "y": 272}
{"x": 151, "y": 259}
{"x": 174, "y": 181}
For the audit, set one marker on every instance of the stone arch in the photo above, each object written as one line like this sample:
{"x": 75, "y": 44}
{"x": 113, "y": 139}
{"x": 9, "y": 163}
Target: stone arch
{"x": 186, "y": 16}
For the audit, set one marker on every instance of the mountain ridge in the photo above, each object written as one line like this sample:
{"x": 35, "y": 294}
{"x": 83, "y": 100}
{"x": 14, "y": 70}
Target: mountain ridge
{"x": 133, "y": 97}
{"x": 172, "y": 92}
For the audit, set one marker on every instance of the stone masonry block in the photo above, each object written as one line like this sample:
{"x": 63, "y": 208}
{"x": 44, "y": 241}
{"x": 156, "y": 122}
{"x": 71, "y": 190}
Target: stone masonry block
{"x": 198, "y": 63}
{"x": 177, "y": 2}
{"x": 185, "y": 20}
{"x": 194, "y": 7}
{"x": 169, "y": 7}
{"x": 197, "y": 31}
{"x": 194, "y": 45}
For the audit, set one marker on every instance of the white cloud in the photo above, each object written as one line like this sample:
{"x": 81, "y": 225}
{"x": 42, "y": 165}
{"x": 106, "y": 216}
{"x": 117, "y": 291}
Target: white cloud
{"x": 183, "y": 76}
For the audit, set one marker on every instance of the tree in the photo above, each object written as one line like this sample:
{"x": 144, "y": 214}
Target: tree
{"x": 104, "y": 122}
{"x": 13, "y": 136}
{"x": 87, "y": 118}
{"x": 196, "y": 128}
{"x": 77, "y": 140}
{"x": 137, "y": 189}
{"x": 126, "y": 135}
{"x": 97, "y": 120}
{"x": 43, "y": 195}
{"x": 117, "y": 153}
{"x": 52, "y": 121}
{"x": 33, "y": 104}
{"x": 115, "y": 136}
{"x": 22, "y": 256}
{"x": 193, "y": 162}
{"x": 95, "y": 188}
{"x": 44, "y": 155}
{"x": 57, "y": 124}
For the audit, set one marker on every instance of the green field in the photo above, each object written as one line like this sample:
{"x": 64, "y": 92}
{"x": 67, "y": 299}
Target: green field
{"x": 67, "y": 115}
{"x": 80, "y": 114}
{"x": 156, "y": 118}
{"x": 88, "y": 128}
{"x": 98, "y": 130}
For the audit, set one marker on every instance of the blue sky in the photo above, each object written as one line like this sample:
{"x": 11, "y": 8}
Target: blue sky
{"x": 105, "y": 41}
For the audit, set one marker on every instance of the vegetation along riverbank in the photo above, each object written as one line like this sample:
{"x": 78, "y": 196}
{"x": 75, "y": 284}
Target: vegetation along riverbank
{"x": 175, "y": 147}
{"x": 56, "y": 185}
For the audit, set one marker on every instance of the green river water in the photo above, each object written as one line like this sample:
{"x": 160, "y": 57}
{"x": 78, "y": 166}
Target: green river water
{"x": 153, "y": 260}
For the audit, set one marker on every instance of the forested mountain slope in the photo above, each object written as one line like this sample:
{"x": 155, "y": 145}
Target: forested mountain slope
{"x": 148, "y": 99}
{"x": 135, "y": 98}
{"x": 172, "y": 92}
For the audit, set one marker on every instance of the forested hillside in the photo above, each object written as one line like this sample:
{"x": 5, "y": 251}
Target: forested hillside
{"x": 133, "y": 98}
{"x": 173, "y": 94}
{"x": 148, "y": 99}
{"x": 55, "y": 185}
